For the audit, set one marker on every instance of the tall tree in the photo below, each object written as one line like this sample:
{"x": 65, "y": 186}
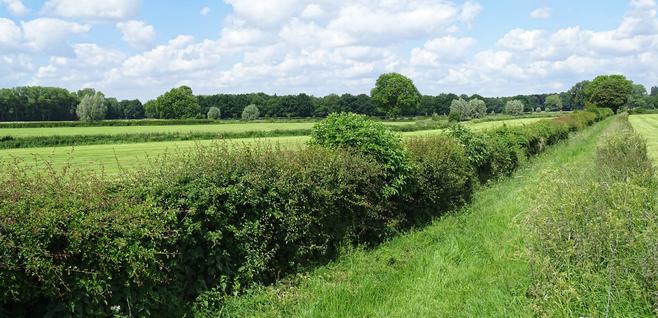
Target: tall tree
{"x": 611, "y": 91}
{"x": 577, "y": 95}
{"x": 394, "y": 94}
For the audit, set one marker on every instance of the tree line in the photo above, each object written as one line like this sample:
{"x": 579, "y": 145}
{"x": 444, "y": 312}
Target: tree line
{"x": 393, "y": 95}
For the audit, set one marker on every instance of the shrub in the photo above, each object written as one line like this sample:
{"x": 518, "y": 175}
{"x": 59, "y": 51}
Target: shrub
{"x": 460, "y": 108}
{"x": 250, "y": 112}
{"x": 442, "y": 178}
{"x": 365, "y": 136}
{"x": 92, "y": 108}
{"x": 214, "y": 113}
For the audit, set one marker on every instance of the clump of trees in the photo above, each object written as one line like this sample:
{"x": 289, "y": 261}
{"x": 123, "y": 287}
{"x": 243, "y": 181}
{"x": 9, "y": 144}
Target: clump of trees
{"x": 92, "y": 108}
{"x": 394, "y": 94}
{"x": 514, "y": 107}
{"x": 250, "y": 112}
{"x": 461, "y": 110}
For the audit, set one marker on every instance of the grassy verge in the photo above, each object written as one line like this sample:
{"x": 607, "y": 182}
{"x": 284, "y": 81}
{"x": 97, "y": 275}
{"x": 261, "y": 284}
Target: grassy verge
{"x": 468, "y": 264}
{"x": 592, "y": 234}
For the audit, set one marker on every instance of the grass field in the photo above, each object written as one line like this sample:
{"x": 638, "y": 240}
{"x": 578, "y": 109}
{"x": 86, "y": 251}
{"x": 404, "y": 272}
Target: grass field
{"x": 113, "y": 158}
{"x": 647, "y": 126}
{"x": 468, "y": 264}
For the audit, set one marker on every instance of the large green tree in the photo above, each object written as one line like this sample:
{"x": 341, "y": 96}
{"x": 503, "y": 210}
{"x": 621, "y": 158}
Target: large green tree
{"x": 394, "y": 94}
{"x": 577, "y": 95}
{"x": 611, "y": 91}
{"x": 177, "y": 103}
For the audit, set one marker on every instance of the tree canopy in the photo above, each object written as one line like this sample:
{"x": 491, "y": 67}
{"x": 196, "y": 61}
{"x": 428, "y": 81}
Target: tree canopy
{"x": 177, "y": 103}
{"x": 394, "y": 94}
{"x": 92, "y": 107}
{"x": 609, "y": 91}
{"x": 553, "y": 103}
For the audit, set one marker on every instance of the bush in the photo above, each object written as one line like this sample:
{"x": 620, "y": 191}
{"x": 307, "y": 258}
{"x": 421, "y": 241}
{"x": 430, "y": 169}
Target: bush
{"x": 365, "y": 136}
{"x": 250, "y": 112}
{"x": 214, "y": 113}
{"x": 442, "y": 179}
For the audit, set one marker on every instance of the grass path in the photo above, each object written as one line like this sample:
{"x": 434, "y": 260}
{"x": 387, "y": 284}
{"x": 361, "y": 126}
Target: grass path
{"x": 112, "y": 158}
{"x": 647, "y": 126}
{"x": 468, "y": 264}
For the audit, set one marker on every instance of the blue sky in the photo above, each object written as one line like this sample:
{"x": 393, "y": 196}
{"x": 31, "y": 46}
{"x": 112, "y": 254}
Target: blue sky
{"x": 139, "y": 49}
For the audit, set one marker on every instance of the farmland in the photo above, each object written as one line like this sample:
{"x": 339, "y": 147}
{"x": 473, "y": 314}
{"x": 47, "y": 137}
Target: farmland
{"x": 114, "y": 157}
{"x": 647, "y": 126}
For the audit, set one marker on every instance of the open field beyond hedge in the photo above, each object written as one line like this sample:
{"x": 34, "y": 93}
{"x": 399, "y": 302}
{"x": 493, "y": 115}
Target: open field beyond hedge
{"x": 647, "y": 126}
{"x": 114, "y": 157}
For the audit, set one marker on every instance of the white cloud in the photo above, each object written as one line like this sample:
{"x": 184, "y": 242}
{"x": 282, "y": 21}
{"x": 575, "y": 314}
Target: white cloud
{"x": 15, "y": 7}
{"x": 469, "y": 12}
{"x": 541, "y": 13}
{"x": 137, "y": 33}
{"x": 51, "y": 34}
{"x": 103, "y": 9}
{"x": 204, "y": 11}
{"x": 444, "y": 49}
{"x": 312, "y": 11}
{"x": 518, "y": 39}
{"x": 10, "y": 34}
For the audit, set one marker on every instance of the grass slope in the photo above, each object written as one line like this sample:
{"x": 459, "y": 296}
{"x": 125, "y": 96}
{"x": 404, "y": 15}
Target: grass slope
{"x": 647, "y": 126}
{"x": 471, "y": 263}
{"x": 112, "y": 158}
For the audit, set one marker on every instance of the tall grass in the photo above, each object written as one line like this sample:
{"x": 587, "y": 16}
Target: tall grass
{"x": 593, "y": 235}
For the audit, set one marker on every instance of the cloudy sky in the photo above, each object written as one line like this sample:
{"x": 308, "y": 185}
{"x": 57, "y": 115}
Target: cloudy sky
{"x": 139, "y": 49}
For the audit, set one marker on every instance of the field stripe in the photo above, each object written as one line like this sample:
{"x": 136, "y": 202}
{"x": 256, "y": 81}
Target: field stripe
{"x": 647, "y": 126}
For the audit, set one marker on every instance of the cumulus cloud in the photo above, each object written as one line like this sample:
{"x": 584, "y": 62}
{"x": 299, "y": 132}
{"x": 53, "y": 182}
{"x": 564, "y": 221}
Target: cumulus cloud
{"x": 518, "y": 39}
{"x": 95, "y": 9}
{"x": 136, "y": 33}
{"x": 10, "y": 34}
{"x": 15, "y": 7}
{"x": 541, "y": 13}
{"x": 51, "y": 34}
{"x": 204, "y": 11}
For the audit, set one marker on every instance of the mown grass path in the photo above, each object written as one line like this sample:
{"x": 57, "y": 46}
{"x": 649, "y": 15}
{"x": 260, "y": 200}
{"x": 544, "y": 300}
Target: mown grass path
{"x": 647, "y": 126}
{"x": 471, "y": 263}
{"x": 115, "y": 157}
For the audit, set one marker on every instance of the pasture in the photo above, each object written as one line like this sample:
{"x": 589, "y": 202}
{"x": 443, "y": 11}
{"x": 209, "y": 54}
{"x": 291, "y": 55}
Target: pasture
{"x": 113, "y": 158}
{"x": 647, "y": 126}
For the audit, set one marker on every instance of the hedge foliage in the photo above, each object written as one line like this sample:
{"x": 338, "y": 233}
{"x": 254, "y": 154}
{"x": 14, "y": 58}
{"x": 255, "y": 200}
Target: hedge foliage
{"x": 220, "y": 219}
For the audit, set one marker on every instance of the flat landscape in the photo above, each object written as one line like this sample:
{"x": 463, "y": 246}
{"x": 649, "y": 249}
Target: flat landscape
{"x": 115, "y": 157}
{"x": 338, "y": 159}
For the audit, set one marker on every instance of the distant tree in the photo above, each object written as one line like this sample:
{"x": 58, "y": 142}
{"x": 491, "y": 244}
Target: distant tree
{"x": 577, "y": 95}
{"x": 478, "y": 108}
{"x": 553, "y": 103}
{"x": 514, "y": 107}
{"x": 88, "y": 92}
{"x": 460, "y": 110}
{"x": 395, "y": 94}
{"x": 132, "y": 109}
{"x": 538, "y": 110}
{"x": 114, "y": 110}
{"x": 150, "y": 110}
{"x": 654, "y": 91}
{"x": 92, "y": 108}
{"x": 250, "y": 112}
{"x": 177, "y": 103}
{"x": 214, "y": 113}
{"x": 610, "y": 91}
{"x": 638, "y": 97}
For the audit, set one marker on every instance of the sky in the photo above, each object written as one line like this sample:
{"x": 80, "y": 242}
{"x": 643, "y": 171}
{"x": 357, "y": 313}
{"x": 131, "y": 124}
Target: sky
{"x": 140, "y": 49}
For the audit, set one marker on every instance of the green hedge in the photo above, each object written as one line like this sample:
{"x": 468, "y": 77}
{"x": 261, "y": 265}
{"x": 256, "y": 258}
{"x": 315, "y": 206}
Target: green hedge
{"x": 222, "y": 219}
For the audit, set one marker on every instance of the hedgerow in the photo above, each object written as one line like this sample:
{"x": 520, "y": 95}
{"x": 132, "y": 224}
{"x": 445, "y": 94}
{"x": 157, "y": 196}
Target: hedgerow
{"x": 220, "y": 219}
